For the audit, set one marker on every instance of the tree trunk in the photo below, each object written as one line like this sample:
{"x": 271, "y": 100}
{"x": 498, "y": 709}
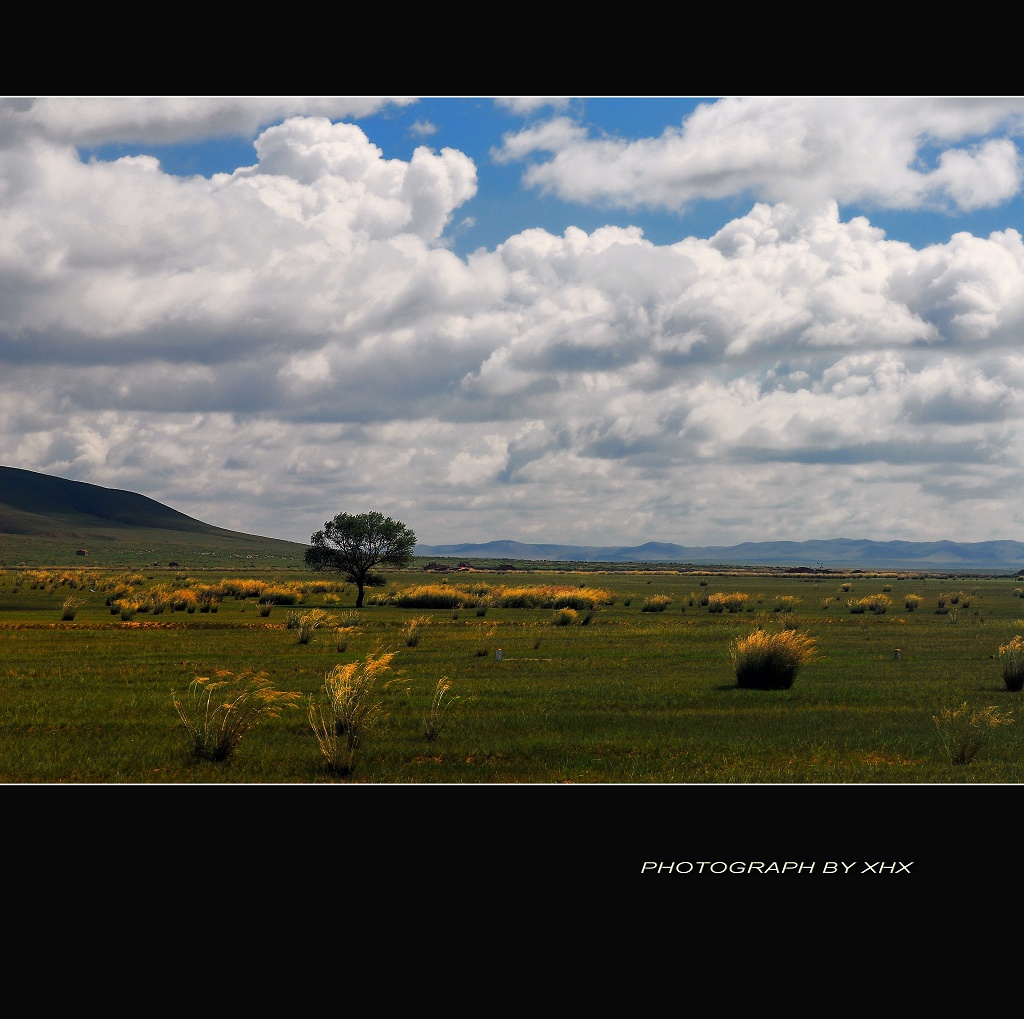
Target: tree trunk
{"x": 359, "y": 595}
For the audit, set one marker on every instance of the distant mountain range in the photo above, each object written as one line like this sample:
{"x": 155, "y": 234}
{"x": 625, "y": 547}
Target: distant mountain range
{"x": 45, "y": 520}
{"x": 834, "y": 553}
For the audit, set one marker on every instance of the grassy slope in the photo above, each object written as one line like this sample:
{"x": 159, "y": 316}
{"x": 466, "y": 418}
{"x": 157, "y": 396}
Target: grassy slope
{"x": 45, "y": 520}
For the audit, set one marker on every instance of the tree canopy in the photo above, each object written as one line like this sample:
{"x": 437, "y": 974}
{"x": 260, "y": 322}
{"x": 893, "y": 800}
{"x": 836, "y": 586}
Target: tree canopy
{"x": 353, "y": 544}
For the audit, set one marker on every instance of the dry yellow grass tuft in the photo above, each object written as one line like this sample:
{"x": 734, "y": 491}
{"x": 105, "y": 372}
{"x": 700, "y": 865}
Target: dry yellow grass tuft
{"x": 769, "y": 660}
{"x": 219, "y": 711}
{"x": 350, "y": 710}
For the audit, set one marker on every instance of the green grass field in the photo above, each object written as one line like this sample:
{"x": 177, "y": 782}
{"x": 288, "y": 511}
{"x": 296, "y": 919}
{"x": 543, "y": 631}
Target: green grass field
{"x": 632, "y": 696}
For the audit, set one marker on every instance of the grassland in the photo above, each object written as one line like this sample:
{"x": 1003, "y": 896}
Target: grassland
{"x": 615, "y": 695}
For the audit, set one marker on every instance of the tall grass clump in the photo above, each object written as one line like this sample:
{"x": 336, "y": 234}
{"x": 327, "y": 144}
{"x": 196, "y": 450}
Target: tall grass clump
{"x": 309, "y": 622}
{"x": 485, "y": 640}
{"x": 876, "y": 603}
{"x": 1011, "y": 662}
{"x": 475, "y": 596}
{"x": 912, "y": 602}
{"x": 413, "y": 630}
{"x": 965, "y": 730}
{"x": 349, "y": 710}
{"x": 564, "y": 617}
{"x": 219, "y": 711}
{"x": 440, "y": 707}
{"x": 718, "y": 602}
{"x": 768, "y": 660}
{"x": 656, "y": 603}
{"x": 69, "y": 608}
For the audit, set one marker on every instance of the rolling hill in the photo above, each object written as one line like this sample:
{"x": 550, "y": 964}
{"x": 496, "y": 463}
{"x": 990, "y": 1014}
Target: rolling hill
{"x": 50, "y": 521}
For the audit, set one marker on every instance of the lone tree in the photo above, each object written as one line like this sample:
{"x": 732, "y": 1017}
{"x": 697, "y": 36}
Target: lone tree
{"x": 353, "y": 544}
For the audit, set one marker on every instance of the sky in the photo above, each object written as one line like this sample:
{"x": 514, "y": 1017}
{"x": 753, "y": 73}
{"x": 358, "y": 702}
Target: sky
{"x": 587, "y": 320}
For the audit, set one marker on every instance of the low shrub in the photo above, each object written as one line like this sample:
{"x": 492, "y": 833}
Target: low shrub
{"x": 912, "y": 602}
{"x": 564, "y": 617}
{"x": 768, "y": 660}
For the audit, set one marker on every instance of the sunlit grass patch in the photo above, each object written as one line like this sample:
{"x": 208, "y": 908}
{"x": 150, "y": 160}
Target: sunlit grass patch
{"x": 471, "y": 596}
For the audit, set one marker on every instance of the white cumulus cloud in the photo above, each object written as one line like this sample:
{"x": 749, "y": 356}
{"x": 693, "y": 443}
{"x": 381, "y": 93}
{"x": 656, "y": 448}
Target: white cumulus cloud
{"x": 799, "y": 150}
